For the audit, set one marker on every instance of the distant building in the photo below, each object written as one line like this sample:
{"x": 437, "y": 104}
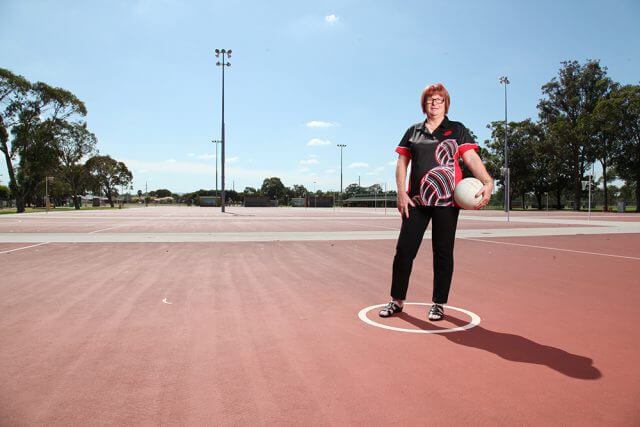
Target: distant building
{"x": 209, "y": 201}
{"x": 371, "y": 201}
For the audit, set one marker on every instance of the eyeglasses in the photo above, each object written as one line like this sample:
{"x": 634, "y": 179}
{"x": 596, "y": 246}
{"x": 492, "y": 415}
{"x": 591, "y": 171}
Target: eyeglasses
{"x": 435, "y": 101}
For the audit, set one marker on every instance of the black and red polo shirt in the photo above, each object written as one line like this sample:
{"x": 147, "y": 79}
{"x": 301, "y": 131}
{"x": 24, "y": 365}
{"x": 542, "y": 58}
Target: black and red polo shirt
{"x": 435, "y": 170}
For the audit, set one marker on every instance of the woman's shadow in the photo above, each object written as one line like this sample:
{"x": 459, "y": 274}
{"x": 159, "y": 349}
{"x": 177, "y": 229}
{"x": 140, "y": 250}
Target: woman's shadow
{"x": 514, "y": 347}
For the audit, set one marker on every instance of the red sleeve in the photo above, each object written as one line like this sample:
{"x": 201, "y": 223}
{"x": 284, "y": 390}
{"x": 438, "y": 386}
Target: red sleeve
{"x": 403, "y": 151}
{"x": 468, "y": 146}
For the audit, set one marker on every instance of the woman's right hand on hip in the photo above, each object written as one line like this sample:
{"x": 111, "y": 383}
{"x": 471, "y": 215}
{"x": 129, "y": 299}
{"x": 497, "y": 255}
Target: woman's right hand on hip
{"x": 404, "y": 201}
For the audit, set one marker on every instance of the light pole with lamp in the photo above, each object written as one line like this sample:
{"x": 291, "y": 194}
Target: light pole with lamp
{"x": 216, "y": 142}
{"x": 507, "y": 178}
{"x": 223, "y": 63}
{"x": 341, "y": 146}
{"x": 315, "y": 195}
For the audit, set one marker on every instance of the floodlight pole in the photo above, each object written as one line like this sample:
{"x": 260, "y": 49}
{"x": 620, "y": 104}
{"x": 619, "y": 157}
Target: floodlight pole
{"x": 222, "y": 64}
{"x": 216, "y": 142}
{"x": 341, "y": 147}
{"x": 504, "y": 80}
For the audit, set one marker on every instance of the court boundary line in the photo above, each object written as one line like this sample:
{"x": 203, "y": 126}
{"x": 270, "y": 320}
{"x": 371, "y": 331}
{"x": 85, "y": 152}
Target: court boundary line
{"x": 25, "y": 247}
{"x": 550, "y": 248}
{"x": 108, "y": 228}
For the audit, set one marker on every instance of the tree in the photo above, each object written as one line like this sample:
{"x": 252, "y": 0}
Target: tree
{"x": 570, "y": 99}
{"x": 163, "y": 192}
{"x": 74, "y": 142}
{"x": 299, "y": 191}
{"x": 26, "y": 111}
{"x": 352, "y": 190}
{"x": 250, "y": 190}
{"x": 5, "y": 193}
{"x": 273, "y": 188}
{"x": 107, "y": 174}
{"x": 627, "y": 152}
{"x": 525, "y": 164}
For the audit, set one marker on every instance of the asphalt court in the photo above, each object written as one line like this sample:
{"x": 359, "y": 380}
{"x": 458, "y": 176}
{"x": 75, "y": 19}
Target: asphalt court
{"x": 174, "y": 315}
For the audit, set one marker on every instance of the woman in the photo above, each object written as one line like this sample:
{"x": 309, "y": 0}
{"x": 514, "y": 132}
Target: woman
{"x": 433, "y": 148}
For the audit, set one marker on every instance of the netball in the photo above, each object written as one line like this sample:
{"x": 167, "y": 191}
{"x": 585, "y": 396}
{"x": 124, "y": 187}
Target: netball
{"x": 465, "y": 193}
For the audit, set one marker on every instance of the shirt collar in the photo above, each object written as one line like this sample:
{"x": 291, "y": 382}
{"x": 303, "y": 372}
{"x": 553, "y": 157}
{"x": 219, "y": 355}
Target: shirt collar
{"x": 444, "y": 124}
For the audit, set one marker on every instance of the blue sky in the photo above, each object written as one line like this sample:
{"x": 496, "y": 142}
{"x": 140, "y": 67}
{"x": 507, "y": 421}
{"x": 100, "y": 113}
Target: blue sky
{"x": 354, "y": 69}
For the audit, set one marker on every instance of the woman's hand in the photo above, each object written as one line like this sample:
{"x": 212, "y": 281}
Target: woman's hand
{"x": 485, "y": 192}
{"x": 404, "y": 201}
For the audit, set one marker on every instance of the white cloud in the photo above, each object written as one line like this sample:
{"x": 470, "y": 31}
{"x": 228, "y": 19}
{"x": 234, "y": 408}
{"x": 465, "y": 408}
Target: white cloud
{"x": 393, "y": 163}
{"x": 309, "y": 162}
{"x": 330, "y": 171}
{"x": 191, "y": 154}
{"x": 304, "y": 170}
{"x": 206, "y": 156}
{"x": 319, "y": 124}
{"x": 231, "y": 160}
{"x": 331, "y": 19}
{"x": 359, "y": 165}
{"x": 316, "y": 141}
{"x": 379, "y": 169}
{"x": 170, "y": 161}
{"x": 313, "y": 156}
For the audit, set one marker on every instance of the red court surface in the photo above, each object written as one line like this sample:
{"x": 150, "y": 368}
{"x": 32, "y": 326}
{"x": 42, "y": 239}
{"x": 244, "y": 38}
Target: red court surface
{"x": 267, "y": 332}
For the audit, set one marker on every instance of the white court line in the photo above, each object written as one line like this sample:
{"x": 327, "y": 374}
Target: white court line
{"x": 553, "y": 249}
{"x": 26, "y": 247}
{"x": 368, "y": 225}
{"x": 110, "y": 228}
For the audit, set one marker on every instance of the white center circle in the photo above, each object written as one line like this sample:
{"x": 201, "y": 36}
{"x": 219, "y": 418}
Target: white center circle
{"x": 475, "y": 320}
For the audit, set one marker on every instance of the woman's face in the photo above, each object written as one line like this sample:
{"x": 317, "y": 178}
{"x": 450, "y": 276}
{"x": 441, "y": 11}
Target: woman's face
{"x": 435, "y": 106}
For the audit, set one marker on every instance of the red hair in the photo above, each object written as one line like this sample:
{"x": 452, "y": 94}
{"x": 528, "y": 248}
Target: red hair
{"x": 435, "y": 89}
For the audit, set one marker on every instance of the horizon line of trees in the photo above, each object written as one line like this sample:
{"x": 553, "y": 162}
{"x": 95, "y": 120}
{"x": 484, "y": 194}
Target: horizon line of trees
{"x": 43, "y": 136}
{"x": 584, "y": 117}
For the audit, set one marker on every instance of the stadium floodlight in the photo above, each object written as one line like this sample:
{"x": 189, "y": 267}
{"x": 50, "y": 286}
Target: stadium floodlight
{"x": 222, "y": 64}
{"x": 507, "y": 178}
{"x": 216, "y": 142}
{"x": 341, "y": 147}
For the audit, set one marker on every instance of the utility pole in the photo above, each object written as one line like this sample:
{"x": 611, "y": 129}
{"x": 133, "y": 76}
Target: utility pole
{"x": 216, "y": 142}
{"x": 223, "y": 64}
{"x": 341, "y": 146}
{"x": 507, "y": 178}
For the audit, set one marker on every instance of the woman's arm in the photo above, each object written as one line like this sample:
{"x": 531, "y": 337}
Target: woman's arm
{"x": 474, "y": 163}
{"x": 404, "y": 201}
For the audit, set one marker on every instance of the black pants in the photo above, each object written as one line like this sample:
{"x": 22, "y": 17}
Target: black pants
{"x": 445, "y": 220}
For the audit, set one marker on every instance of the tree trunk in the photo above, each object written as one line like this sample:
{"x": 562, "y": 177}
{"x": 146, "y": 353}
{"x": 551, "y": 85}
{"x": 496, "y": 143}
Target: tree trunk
{"x": 539, "y": 200}
{"x": 13, "y": 184}
{"x": 524, "y": 201}
{"x": 76, "y": 201}
{"x": 558, "y": 196}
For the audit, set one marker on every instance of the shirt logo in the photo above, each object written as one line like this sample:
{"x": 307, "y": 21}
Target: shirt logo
{"x": 447, "y": 133}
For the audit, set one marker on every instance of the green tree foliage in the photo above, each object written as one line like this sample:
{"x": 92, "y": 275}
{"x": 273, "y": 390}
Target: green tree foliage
{"x": 299, "y": 191}
{"x": 526, "y": 159}
{"x": 163, "y": 192}
{"x": 29, "y": 113}
{"x": 107, "y": 174}
{"x": 250, "y": 190}
{"x": 73, "y": 142}
{"x": 570, "y": 98}
{"x": 627, "y": 152}
{"x": 5, "y": 193}
{"x": 352, "y": 190}
{"x": 273, "y": 188}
